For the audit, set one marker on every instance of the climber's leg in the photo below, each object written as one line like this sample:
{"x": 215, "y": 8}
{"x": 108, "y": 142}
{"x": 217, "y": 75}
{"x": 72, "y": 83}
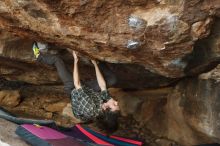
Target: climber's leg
{"x": 63, "y": 73}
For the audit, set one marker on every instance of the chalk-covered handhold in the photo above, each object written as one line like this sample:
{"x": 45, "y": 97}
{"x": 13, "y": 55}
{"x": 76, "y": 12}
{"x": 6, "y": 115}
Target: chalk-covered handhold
{"x": 136, "y": 22}
{"x": 133, "y": 44}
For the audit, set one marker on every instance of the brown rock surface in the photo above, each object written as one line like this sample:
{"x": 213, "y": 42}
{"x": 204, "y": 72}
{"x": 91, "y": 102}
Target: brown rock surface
{"x": 144, "y": 115}
{"x": 55, "y": 107}
{"x": 158, "y": 116}
{"x": 116, "y": 31}
{"x": 10, "y": 98}
{"x": 188, "y": 114}
{"x": 39, "y": 102}
{"x": 144, "y": 43}
{"x": 193, "y": 110}
{"x": 206, "y": 52}
{"x": 67, "y": 112}
{"x": 15, "y": 65}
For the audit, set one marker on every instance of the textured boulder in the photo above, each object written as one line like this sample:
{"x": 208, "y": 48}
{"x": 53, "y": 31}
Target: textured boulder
{"x": 56, "y": 107}
{"x": 10, "y": 98}
{"x": 187, "y": 114}
{"x": 193, "y": 110}
{"x": 22, "y": 66}
{"x": 44, "y": 102}
{"x": 206, "y": 54}
{"x": 143, "y": 43}
{"x": 154, "y": 34}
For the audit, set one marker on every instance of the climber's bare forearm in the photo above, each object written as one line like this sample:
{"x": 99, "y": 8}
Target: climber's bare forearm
{"x": 99, "y": 76}
{"x": 76, "y": 76}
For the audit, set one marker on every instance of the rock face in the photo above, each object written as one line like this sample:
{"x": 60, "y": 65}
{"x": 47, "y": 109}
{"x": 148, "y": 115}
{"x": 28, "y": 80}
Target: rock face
{"x": 10, "y": 98}
{"x": 154, "y": 34}
{"x": 206, "y": 52}
{"x": 187, "y": 114}
{"x": 196, "y": 110}
{"x": 42, "y": 102}
{"x": 143, "y": 43}
{"x": 22, "y": 66}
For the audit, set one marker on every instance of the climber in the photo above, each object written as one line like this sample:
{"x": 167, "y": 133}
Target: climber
{"x": 87, "y": 104}
{"x": 90, "y": 105}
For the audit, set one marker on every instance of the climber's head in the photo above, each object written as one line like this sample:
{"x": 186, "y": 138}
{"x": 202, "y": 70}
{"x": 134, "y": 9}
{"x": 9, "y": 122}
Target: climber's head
{"x": 108, "y": 121}
{"x": 111, "y": 104}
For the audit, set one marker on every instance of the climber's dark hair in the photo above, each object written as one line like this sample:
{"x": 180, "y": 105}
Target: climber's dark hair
{"x": 108, "y": 121}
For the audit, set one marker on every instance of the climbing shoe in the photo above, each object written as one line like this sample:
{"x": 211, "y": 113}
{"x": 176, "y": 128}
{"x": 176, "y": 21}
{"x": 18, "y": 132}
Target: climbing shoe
{"x": 35, "y": 50}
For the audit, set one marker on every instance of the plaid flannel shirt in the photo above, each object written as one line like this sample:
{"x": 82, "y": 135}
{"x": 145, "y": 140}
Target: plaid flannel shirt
{"x": 86, "y": 103}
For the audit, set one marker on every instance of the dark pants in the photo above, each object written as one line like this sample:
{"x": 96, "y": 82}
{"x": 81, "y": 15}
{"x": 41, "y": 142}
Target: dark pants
{"x": 62, "y": 71}
{"x": 67, "y": 77}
